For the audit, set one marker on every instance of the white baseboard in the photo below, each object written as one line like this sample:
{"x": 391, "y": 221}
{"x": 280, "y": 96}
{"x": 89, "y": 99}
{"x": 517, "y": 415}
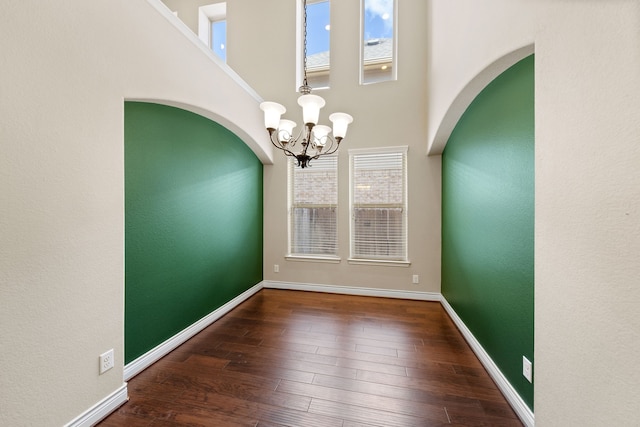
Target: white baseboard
{"x": 149, "y": 358}
{"x": 519, "y": 406}
{"x": 352, "y": 290}
{"x": 101, "y": 409}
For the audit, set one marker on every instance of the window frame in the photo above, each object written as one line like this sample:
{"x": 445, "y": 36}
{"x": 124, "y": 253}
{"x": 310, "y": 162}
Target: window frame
{"x": 402, "y": 261}
{"x": 367, "y": 68}
{"x": 207, "y": 15}
{"x": 291, "y": 205}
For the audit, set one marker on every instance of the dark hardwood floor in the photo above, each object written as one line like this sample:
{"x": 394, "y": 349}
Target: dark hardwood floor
{"x": 289, "y": 358}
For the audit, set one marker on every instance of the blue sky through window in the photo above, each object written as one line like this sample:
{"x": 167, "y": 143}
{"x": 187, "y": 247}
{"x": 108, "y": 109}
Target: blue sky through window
{"x": 219, "y": 39}
{"x": 317, "y": 27}
{"x": 378, "y": 23}
{"x": 378, "y": 19}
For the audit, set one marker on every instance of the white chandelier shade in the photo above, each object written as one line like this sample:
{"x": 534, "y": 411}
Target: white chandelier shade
{"x": 311, "y": 105}
{"x": 313, "y": 140}
{"x": 285, "y": 129}
{"x": 320, "y": 134}
{"x": 341, "y": 122}
{"x": 272, "y": 113}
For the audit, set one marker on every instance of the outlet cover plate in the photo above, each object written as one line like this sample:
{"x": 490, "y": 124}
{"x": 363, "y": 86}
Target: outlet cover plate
{"x": 106, "y": 361}
{"x": 527, "y": 369}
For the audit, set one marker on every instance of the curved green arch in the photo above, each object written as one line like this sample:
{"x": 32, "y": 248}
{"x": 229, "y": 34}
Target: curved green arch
{"x": 488, "y": 221}
{"x": 193, "y": 221}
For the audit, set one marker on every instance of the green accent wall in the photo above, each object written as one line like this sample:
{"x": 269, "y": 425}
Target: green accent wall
{"x": 488, "y": 221}
{"x": 193, "y": 221}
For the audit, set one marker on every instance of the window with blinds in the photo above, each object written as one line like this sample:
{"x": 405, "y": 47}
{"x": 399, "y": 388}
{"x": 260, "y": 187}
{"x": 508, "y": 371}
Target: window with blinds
{"x": 379, "y": 204}
{"x": 313, "y": 208}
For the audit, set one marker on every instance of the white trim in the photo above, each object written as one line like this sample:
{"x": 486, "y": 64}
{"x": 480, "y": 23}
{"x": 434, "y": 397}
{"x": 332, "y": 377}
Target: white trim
{"x": 314, "y": 258}
{"x": 445, "y": 125}
{"x": 186, "y": 31}
{"x": 141, "y": 363}
{"x": 512, "y": 396}
{"x": 387, "y": 263}
{"x": 101, "y": 409}
{"x": 404, "y": 149}
{"x": 208, "y": 14}
{"x": 353, "y": 290}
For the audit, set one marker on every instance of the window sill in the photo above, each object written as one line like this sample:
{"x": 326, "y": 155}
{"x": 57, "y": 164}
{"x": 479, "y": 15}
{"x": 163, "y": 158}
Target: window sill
{"x": 382, "y": 262}
{"x": 312, "y": 258}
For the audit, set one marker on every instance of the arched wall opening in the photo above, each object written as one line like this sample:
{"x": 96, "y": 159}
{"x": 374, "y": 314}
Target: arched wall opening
{"x": 193, "y": 221}
{"x": 265, "y": 155}
{"x": 469, "y": 92}
{"x": 488, "y": 223}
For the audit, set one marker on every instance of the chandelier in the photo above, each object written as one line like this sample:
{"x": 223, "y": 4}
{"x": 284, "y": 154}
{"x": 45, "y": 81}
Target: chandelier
{"x": 313, "y": 140}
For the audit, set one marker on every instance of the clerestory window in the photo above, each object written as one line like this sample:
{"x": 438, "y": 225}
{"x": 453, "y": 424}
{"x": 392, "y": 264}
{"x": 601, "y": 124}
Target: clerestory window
{"x": 212, "y": 28}
{"x": 219, "y": 38}
{"x": 378, "y": 43}
{"x": 318, "y": 43}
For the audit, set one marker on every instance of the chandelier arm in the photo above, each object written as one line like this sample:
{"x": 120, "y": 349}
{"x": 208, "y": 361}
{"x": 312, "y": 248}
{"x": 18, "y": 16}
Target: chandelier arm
{"x": 332, "y": 148}
{"x": 287, "y": 152}
{"x": 279, "y": 145}
{"x": 292, "y": 141}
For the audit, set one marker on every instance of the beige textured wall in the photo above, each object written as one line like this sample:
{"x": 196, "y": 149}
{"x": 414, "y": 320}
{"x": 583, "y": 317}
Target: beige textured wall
{"x": 261, "y": 40}
{"x": 66, "y": 69}
{"x": 587, "y": 297}
{"x": 61, "y": 171}
{"x": 471, "y": 43}
{"x": 587, "y": 322}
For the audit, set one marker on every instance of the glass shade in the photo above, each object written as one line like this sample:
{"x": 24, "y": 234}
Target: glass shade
{"x": 285, "y": 130}
{"x": 340, "y": 123}
{"x": 272, "y": 113}
{"x": 320, "y": 133}
{"x": 311, "y": 105}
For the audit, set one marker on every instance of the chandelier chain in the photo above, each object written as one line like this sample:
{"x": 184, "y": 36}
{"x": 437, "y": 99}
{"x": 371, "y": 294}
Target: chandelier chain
{"x": 304, "y": 7}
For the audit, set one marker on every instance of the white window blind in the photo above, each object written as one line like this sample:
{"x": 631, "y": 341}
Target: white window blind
{"x": 313, "y": 207}
{"x": 379, "y": 205}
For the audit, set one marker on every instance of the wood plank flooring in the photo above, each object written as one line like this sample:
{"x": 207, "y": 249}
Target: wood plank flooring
{"x": 301, "y": 359}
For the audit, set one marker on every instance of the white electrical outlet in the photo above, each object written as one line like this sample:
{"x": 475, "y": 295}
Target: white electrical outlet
{"x": 527, "y": 369}
{"x": 416, "y": 279}
{"x": 276, "y": 268}
{"x": 106, "y": 361}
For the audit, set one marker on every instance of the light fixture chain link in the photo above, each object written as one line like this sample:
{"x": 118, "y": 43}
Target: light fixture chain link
{"x": 304, "y": 6}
